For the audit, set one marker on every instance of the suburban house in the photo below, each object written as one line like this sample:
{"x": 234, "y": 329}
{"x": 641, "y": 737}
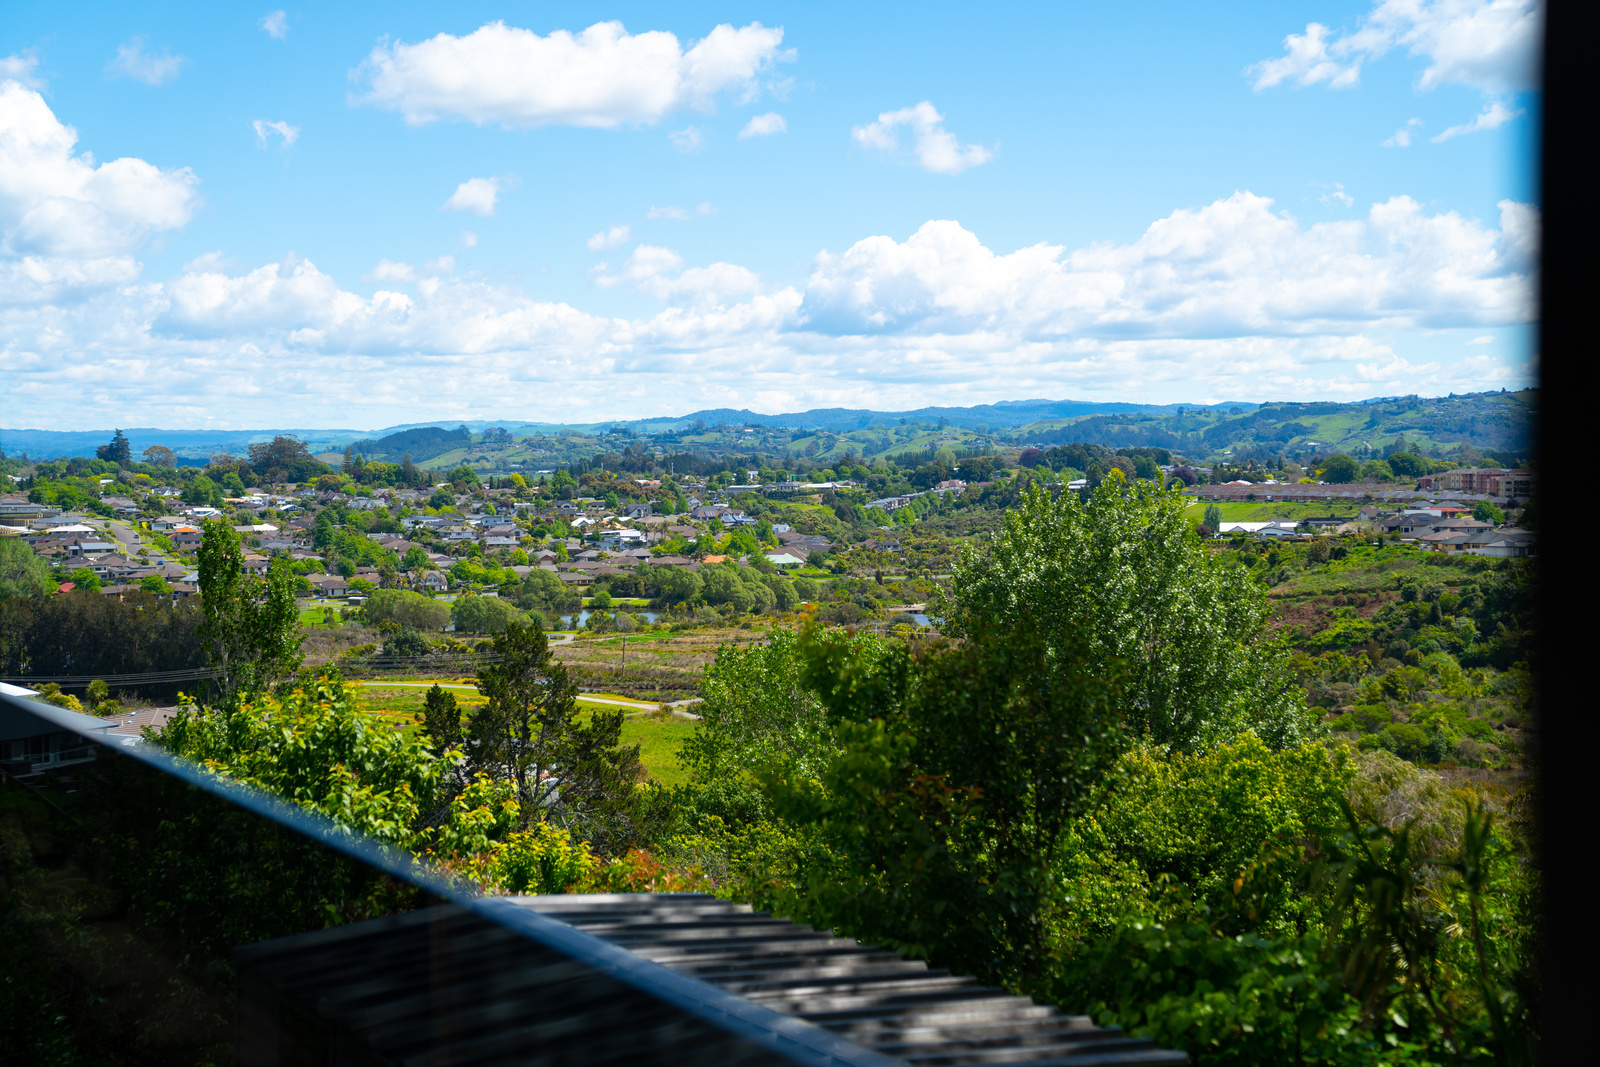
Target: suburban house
{"x": 622, "y": 539}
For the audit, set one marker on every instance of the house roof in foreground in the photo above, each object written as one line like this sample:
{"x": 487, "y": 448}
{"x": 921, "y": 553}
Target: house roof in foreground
{"x": 410, "y": 987}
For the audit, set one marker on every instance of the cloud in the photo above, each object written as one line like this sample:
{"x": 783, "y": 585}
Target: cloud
{"x": 476, "y": 195}
{"x": 937, "y": 149}
{"x": 660, "y": 273}
{"x": 1337, "y": 195}
{"x": 56, "y": 204}
{"x": 1231, "y": 299}
{"x": 687, "y": 140}
{"x": 276, "y": 24}
{"x": 1490, "y": 45}
{"x": 389, "y": 270}
{"x": 264, "y": 131}
{"x": 1494, "y": 115}
{"x": 602, "y": 77}
{"x": 764, "y": 126}
{"x": 702, "y": 209}
{"x": 1485, "y": 340}
{"x": 1402, "y": 136}
{"x": 469, "y": 239}
{"x": 134, "y": 62}
{"x": 1232, "y": 268}
{"x": 608, "y": 239}
{"x": 20, "y": 67}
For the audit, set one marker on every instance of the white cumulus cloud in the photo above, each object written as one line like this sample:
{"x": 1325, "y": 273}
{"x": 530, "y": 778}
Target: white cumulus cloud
{"x": 1232, "y": 268}
{"x": 601, "y": 77}
{"x": 134, "y": 62}
{"x": 1487, "y": 44}
{"x": 264, "y": 130}
{"x": 611, "y": 238}
{"x": 276, "y": 24}
{"x": 660, "y": 272}
{"x": 936, "y": 148}
{"x": 764, "y": 126}
{"x": 54, "y": 203}
{"x": 475, "y": 195}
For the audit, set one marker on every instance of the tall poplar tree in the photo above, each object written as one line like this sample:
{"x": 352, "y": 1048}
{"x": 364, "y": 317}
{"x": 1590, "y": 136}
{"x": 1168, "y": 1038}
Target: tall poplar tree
{"x": 251, "y": 632}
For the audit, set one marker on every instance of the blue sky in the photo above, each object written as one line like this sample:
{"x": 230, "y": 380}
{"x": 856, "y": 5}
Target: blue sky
{"x": 367, "y": 214}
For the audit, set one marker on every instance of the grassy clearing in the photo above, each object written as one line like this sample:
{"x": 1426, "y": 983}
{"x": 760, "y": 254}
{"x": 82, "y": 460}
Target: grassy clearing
{"x": 657, "y": 736}
{"x": 1265, "y": 510}
{"x": 315, "y": 617}
{"x": 658, "y": 739}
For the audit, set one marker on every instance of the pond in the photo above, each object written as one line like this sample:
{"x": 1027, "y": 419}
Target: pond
{"x": 583, "y": 616}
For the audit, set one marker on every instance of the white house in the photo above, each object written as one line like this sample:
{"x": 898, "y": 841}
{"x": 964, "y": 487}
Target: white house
{"x": 622, "y": 539}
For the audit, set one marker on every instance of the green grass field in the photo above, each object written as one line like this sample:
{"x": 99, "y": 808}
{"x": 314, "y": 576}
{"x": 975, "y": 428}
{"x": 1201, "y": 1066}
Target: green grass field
{"x": 658, "y": 737}
{"x": 1262, "y": 511}
{"x": 316, "y": 616}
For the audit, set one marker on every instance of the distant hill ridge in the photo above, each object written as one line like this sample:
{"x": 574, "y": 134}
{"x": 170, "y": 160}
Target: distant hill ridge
{"x": 1494, "y": 419}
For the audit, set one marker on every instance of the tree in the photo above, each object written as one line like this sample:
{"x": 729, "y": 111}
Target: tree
{"x": 482, "y": 614}
{"x": 323, "y": 533}
{"x": 1126, "y": 574}
{"x": 441, "y": 719}
{"x": 1407, "y": 464}
{"x": 285, "y": 459}
{"x": 529, "y": 733}
{"x": 1339, "y": 469}
{"x": 118, "y": 451}
{"x": 1376, "y": 470}
{"x": 21, "y": 572}
{"x": 85, "y": 579}
{"x": 1145, "y": 467}
{"x": 251, "y": 632}
{"x": 160, "y": 456}
{"x": 416, "y": 559}
{"x": 406, "y": 642}
{"x": 155, "y": 585}
{"x": 203, "y": 490}
{"x": 409, "y": 475}
{"x": 388, "y": 608}
{"x": 943, "y": 807}
{"x": 1213, "y": 519}
{"x": 1485, "y": 511}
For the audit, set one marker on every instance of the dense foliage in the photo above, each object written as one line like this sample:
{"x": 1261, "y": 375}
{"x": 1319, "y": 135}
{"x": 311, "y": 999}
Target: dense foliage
{"x": 1124, "y": 575}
